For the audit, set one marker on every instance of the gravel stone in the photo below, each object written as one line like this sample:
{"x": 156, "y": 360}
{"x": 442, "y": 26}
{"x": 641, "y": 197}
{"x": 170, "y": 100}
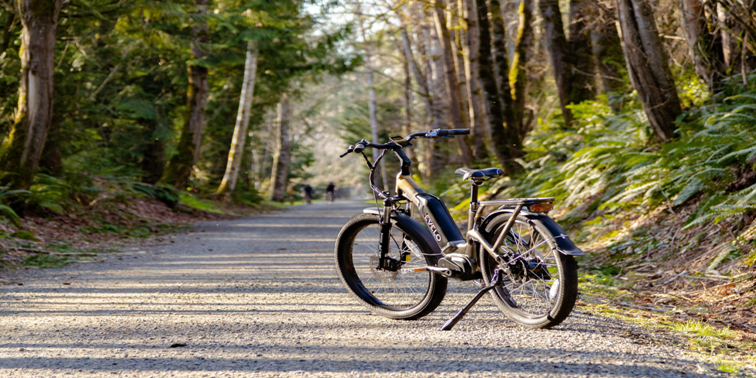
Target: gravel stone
{"x": 266, "y": 301}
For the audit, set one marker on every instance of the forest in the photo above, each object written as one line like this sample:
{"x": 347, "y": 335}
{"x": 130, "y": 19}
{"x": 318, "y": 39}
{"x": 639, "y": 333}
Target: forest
{"x": 638, "y": 116}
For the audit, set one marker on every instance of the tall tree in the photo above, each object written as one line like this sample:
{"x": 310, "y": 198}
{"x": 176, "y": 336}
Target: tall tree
{"x": 580, "y": 59}
{"x": 556, "y": 43}
{"x": 704, "y": 46}
{"x": 607, "y": 52}
{"x": 471, "y": 47}
{"x": 282, "y": 154}
{"x": 518, "y": 74}
{"x": 571, "y": 61}
{"x": 494, "y": 113}
{"x": 228, "y": 184}
{"x": 22, "y": 149}
{"x": 455, "y": 105}
{"x": 506, "y": 135}
{"x": 647, "y": 65}
{"x": 187, "y": 152}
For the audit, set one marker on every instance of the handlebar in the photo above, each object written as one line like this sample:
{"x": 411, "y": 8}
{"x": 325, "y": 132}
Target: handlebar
{"x": 435, "y": 133}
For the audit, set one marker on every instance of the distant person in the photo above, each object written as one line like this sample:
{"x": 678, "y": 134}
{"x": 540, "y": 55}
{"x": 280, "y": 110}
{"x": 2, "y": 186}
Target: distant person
{"x": 307, "y": 191}
{"x": 331, "y": 192}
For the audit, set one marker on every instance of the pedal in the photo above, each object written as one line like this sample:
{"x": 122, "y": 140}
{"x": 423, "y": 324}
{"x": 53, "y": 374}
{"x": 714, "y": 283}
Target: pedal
{"x": 460, "y": 267}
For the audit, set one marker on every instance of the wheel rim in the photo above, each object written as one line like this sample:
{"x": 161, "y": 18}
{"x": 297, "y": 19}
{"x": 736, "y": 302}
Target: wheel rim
{"x": 399, "y": 290}
{"x": 531, "y": 273}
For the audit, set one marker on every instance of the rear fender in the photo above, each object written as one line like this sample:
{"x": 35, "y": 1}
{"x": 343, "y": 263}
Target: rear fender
{"x": 410, "y": 224}
{"x": 563, "y": 242}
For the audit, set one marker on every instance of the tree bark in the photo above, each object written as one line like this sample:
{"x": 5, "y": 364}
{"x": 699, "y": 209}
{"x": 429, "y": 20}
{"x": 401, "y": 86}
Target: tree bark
{"x": 238, "y": 141}
{"x": 582, "y": 84}
{"x": 705, "y": 48}
{"x": 407, "y": 99}
{"x": 518, "y": 74}
{"x": 471, "y": 47}
{"x": 556, "y": 44}
{"x": 424, "y": 91}
{"x": 282, "y": 155}
{"x": 51, "y": 160}
{"x": 457, "y": 34}
{"x": 648, "y": 67}
{"x": 455, "y": 105}
{"x": 434, "y": 73}
{"x": 24, "y": 145}
{"x": 609, "y": 58}
{"x": 187, "y": 151}
{"x": 494, "y": 112}
{"x": 506, "y": 136}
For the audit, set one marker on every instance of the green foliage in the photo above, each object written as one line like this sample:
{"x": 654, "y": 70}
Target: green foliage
{"x": 45, "y": 261}
{"x": 609, "y": 162}
{"x": 5, "y": 210}
{"x": 163, "y": 193}
{"x": 24, "y": 235}
{"x": 198, "y": 204}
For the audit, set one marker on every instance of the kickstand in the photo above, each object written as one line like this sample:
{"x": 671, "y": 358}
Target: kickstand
{"x": 495, "y": 281}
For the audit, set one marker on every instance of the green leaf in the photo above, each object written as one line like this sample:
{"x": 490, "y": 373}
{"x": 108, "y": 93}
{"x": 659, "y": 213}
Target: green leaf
{"x": 693, "y": 187}
{"x": 11, "y": 215}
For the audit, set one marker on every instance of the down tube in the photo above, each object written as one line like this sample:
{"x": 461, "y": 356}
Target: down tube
{"x": 435, "y": 214}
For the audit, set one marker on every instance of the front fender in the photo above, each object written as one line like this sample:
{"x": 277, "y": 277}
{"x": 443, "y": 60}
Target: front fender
{"x": 563, "y": 242}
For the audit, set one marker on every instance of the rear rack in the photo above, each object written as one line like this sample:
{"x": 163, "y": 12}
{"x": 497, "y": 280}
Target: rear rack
{"x": 517, "y": 201}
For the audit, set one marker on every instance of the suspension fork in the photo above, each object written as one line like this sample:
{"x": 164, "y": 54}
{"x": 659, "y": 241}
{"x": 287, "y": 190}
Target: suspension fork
{"x": 385, "y": 262}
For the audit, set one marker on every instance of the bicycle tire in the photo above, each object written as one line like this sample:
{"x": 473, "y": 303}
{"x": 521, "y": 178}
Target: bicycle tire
{"x": 369, "y": 292}
{"x": 512, "y": 299}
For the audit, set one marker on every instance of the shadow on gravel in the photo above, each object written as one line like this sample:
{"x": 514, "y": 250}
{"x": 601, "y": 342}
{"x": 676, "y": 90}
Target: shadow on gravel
{"x": 516, "y": 361}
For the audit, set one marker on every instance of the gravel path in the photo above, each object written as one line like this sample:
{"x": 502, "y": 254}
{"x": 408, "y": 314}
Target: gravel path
{"x": 261, "y": 297}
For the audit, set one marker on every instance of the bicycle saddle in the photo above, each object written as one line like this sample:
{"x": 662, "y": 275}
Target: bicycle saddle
{"x": 467, "y": 173}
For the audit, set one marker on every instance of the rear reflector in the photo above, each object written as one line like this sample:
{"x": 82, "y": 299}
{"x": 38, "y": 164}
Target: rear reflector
{"x": 541, "y": 208}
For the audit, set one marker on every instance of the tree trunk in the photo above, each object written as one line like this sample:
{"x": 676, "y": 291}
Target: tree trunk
{"x": 238, "y": 142}
{"x": 51, "y": 161}
{"x": 607, "y": 53}
{"x": 506, "y": 136}
{"x": 188, "y": 148}
{"x": 704, "y": 48}
{"x": 24, "y": 145}
{"x": 556, "y": 44}
{"x": 470, "y": 48}
{"x": 648, "y": 67}
{"x": 582, "y": 84}
{"x": 425, "y": 94}
{"x": 407, "y": 100}
{"x": 518, "y": 74}
{"x": 455, "y": 106}
{"x": 282, "y": 155}
{"x": 419, "y": 77}
{"x": 434, "y": 73}
{"x": 457, "y": 34}
{"x": 491, "y": 93}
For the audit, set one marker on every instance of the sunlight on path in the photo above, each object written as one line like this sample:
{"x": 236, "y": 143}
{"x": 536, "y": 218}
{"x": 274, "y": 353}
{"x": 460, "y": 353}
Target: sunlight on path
{"x": 261, "y": 297}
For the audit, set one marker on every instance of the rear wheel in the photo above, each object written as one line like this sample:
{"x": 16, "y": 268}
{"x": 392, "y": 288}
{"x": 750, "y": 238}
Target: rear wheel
{"x": 539, "y": 286}
{"x": 408, "y": 292}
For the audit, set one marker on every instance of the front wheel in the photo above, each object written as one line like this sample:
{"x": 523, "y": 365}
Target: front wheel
{"x": 407, "y": 292}
{"x": 540, "y": 284}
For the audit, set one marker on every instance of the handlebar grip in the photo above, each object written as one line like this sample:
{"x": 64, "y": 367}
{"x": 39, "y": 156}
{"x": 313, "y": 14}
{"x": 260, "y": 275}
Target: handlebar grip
{"x": 359, "y": 147}
{"x": 453, "y": 132}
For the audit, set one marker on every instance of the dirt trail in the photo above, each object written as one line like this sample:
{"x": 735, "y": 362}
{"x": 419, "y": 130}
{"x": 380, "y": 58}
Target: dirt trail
{"x": 260, "y": 297}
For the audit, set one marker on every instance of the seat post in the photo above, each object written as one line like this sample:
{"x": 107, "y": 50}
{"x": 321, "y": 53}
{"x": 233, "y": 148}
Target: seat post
{"x": 474, "y": 205}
